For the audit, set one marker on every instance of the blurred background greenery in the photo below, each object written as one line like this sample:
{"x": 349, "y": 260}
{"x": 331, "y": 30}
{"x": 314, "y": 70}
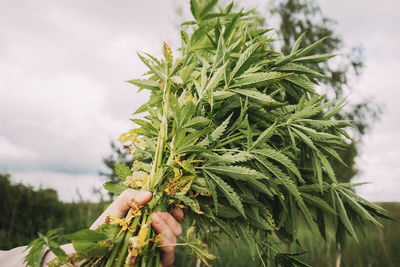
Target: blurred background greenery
{"x": 26, "y": 211}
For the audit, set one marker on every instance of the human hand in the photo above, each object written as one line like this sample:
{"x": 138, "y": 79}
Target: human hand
{"x": 163, "y": 223}
{"x": 169, "y": 226}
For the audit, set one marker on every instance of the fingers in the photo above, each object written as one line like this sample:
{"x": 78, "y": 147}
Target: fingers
{"x": 177, "y": 213}
{"x": 166, "y": 225}
{"x": 173, "y": 225}
{"x": 123, "y": 203}
{"x": 120, "y": 206}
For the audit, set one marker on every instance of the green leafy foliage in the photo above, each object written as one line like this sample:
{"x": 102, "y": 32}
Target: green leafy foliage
{"x": 236, "y": 133}
{"x": 38, "y": 247}
{"x": 122, "y": 170}
{"x": 85, "y": 242}
{"x": 114, "y": 188}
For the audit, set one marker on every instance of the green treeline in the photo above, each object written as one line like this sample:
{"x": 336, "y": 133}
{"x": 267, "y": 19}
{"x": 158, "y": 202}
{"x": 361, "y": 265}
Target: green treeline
{"x": 24, "y": 212}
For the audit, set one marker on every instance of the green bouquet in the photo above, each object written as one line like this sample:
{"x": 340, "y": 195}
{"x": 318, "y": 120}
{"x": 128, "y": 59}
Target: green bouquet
{"x": 235, "y": 133}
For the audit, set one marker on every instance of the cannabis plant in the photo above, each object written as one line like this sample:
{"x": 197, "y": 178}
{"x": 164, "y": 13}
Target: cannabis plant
{"x": 235, "y": 133}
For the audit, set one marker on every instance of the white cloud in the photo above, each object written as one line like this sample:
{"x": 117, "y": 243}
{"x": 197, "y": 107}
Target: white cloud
{"x": 379, "y": 162}
{"x": 9, "y": 150}
{"x": 59, "y": 117}
{"x": 62, "y": 75}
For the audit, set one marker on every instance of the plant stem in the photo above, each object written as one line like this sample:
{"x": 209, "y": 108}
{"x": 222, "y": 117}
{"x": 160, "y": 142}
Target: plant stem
{"x": 158, "y": 159}
{"x": 230, "y": 137}
{"x": 230, "y": 141}
{"x": 124, "y": 250}
{"x": 146, "y": 221}
{"x": 113, "y": 255}
{"x": 125, "y": 242}
{"x": 157, "y": 260}
{"x": 161, "y": 137}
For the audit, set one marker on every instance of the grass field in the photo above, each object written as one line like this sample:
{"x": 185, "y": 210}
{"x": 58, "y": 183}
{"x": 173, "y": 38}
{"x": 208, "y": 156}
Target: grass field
{"x": 378, "y": 247}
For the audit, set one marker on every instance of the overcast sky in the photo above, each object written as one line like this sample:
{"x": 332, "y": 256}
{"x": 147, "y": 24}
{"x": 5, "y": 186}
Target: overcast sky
{"x": 63, "y": 97}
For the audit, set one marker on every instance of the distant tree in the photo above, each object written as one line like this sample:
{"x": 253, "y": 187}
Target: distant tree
{"x": 26, "y": 211}
{"x": 298, "y": 17}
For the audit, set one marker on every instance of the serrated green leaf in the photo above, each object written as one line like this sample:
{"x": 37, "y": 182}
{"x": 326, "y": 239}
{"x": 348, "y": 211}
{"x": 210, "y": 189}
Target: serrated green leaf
{"x": 279, "y": 157}
{"x": 357, "y": 207}
{"x": 89, "y": 249}
{"x": 38, "y": 247}
{"x": 313, "y": 58}
{"x": 328, "y": 167}
{"x": 265, "y": 135}
{"x": 319, "y": 136}
{"x": 207, "y": 8}
{"x": 221, "y": 95}
{"x": 266, "y": 99}
{"x": 122, "y": 170}
{"x": 228, "y": 191}
{"x": 335, "y": 110}
{"x": 217, "y": 133}
{"x": 324, "y": 124}
{"x": 147, "y": 84}
{"x": 55, "y": 248}
{"x": 211, "y": 185}
{"x": 258, "y": 79}
{"x": 86, "y": 235}
{"x": 194, "y": 8}
{"x": 154, "y": 68}
{"x": 235, "y": 158}
{"x": 306, "y": 51}
{"x": 230, "y": 26}
{"x": 297, "y": 68}
{"x": 333, "y": 153}
{"x": 317, "y": 169}
{"x": 114, "y": 188}
{"x": 197, "y": 121}
{"x": 297, "y": 44}
{"x": 236, "y": 172}
{"x": 305, "y": 138}
{"x": 344, "y": 217}
{"x": 215, "y": 79}
{"x": 242, "y": 60}
{"x": 192, "y": 203}
{"x": 220, "y": 130}
{"x": 292, "y": 188}
{"x": 227, "y": 212}
{"x": 301, "y": 82}
{"x": 318, "y": 202}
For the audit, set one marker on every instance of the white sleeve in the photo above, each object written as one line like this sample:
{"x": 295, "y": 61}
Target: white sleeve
{"x": 13, "y": 258}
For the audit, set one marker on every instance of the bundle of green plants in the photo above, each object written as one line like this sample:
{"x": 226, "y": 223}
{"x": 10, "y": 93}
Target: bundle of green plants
{"x": 236, "y": 133}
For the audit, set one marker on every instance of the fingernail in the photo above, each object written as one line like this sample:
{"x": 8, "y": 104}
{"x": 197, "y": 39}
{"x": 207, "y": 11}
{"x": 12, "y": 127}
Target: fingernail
{"x": 142, "y": 195}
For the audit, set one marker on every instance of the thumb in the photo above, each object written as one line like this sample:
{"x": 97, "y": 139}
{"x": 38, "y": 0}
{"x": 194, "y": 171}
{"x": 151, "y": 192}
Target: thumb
{"x": 123, "y": 203}
{"x": 119, "y": 208}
